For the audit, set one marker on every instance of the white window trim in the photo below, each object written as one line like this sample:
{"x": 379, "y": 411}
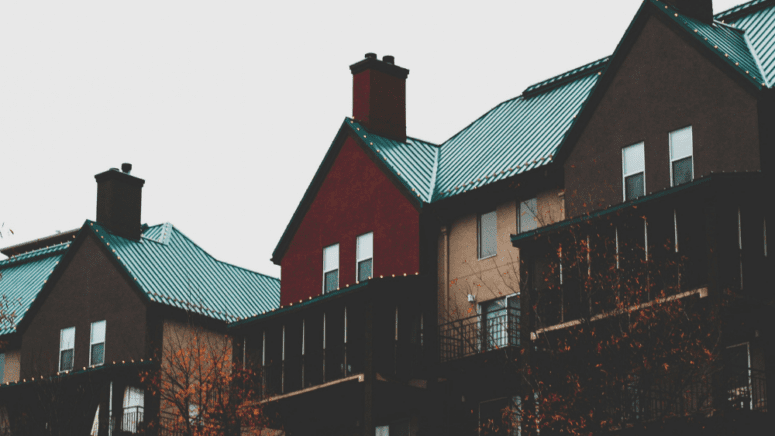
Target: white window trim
{"x": 625, "y": 175}
{"x": 59, "y": 357}
{"x": 91, "y": 343}
{"x": 479, "y": 235}
{"x": 482, "y": 322}
{"x": 332, "y": 269}
{"x": 670, "y": 153}
{"x": 359, "y": 259}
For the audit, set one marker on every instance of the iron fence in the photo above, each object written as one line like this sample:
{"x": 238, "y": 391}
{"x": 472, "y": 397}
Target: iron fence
{"x": 479, "y": 333}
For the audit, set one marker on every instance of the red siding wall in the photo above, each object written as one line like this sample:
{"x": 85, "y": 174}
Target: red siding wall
{"x": 355, "y": 198}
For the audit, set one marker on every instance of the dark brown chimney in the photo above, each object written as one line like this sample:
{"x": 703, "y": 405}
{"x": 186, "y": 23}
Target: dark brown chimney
{"x": 379, "y": 96}
{"x": 119, "y": 197}
{"x": 699, "y": 9}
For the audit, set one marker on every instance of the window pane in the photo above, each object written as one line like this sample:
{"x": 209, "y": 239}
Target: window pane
{"x": 332, "y": 280}
{"x": 682, "y": 171}
{"x": 364, "y": 270}
{"x": 681, "y": 143}
{"x": 528, "y": 215}
{"x": 67, "y": 338}
{"x": 365, "y": 246}
{"x": 97, "y": 332}
{"x": 634, "y": 186}
{"x": 487, "y": 235}
{"x": 633, "y": 159}
{"x": 98, "y": 354}
{"x": 331, "y": 257}
{"x": 66, "y": 360}
{"x": 383, "y": 430}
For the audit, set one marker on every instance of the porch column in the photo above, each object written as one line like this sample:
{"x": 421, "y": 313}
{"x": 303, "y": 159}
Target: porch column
{"x": 368, "y": 370}
{"x": 104, "y": 413}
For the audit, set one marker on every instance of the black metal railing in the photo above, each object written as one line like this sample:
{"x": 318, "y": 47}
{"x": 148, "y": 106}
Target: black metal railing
{"x": 642, "y": 401}
{"x": 479, "y": 333}
{"x": 131, "y": 421}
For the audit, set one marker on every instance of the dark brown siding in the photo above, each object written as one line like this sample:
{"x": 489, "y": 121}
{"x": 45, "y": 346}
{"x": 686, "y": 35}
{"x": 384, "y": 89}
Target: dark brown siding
{"x": 90, "y": 289}
{"x": 663, "y": 84}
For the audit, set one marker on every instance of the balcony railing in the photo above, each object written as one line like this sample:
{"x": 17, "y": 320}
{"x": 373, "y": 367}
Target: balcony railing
{"x": 131, "y": 421}
{"x": 647, "y": 401}
{"x": 479, "y": 333}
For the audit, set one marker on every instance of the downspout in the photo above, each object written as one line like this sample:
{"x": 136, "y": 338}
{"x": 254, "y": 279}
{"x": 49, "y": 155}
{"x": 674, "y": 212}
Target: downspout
{"x": 445, "y": 265}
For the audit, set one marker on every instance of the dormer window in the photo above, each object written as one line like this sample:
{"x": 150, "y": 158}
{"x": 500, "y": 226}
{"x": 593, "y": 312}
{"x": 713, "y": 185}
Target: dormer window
{"x": 364, "y": 256}
{"x": 330, "y": 268}
{"x": 633, "y": 171}
{"x": 681, "y": 163}
{"x": 66, "y": 348}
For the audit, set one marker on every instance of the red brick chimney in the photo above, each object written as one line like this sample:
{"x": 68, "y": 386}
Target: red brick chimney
{"x": 699, "y": 9}
{"x": 379, "y": 96}
{"x": 119, "y": 197}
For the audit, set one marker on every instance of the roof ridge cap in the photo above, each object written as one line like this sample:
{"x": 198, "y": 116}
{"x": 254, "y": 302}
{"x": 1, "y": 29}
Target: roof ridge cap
{"x": 744, "y": 9}
{"x": 246, "y": 269}
{"x": 572, "y": 74}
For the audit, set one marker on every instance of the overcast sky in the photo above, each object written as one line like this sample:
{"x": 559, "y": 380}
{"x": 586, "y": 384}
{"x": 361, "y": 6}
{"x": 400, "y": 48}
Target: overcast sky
{"x": 226, "y": 108}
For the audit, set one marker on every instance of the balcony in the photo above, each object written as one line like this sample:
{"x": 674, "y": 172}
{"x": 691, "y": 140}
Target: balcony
{"x": 479, "y": 334}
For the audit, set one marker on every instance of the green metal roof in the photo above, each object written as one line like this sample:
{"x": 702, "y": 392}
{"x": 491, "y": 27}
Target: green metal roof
{"x": 757, "y": 19}
{"x": 525, "y": 132}
{"x": 21, "y": 279}
{"x": 173, "y": 270}
{"x": 413, "y": 161}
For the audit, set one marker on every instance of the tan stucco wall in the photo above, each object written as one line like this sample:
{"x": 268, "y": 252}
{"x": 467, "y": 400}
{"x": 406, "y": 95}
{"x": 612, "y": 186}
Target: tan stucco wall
{"x": 461, "y": 272}
{"x": 12, "y": 365}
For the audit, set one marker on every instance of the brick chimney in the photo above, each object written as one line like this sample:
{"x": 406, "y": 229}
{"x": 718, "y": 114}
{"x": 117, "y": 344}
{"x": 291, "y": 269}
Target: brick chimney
{"x": 379, "y": 96}
{"x": 119, "y": 197}
{"x": 699, "y": 9}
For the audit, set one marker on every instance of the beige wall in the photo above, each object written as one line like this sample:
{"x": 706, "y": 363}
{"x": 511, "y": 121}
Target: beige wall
{"x": 12, "y": 365}
{"x": 461, "y": 272}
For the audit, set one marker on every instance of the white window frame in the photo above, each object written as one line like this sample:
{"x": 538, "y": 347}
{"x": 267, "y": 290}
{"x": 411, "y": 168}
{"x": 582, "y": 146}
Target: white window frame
{"x": 521, "y": 214}
{"x": 632, "y": 173}
{"x": 62, "y": 344}
{"x": 330, "y": 269}
{"x": 479, "y": 239}
{"x": 360, "y": 257}
{"x": 673, "y": 158}
{"x": 92, "y": 342}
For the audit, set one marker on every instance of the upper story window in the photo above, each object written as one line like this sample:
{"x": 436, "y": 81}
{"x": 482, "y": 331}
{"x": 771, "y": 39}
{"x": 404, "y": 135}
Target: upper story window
{"x": 364, "y": 256}
{"x": 66, "y": 348}
{"x": 331, "y": 268}
{"x": 528, "y": 215}
{"x": 97, "y": 343}
{"x": 681, "y": 165}
{"x": 633, "y": 171}
{"x": 488, "y": 241}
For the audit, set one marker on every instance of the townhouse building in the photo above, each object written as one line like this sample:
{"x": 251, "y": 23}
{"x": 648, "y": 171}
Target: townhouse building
{"x": 419, "y": 278}
{"x": 90, "y": 311}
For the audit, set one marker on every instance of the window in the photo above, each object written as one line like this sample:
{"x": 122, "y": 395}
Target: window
{"x": 330, "y": 268}
{"x": 97, "y": 343}
{"x": 500, "y": 321}
{"x": 66, "y": 348}
{"x": 681, "y": 166}
{"x": 399, "y": 428}
{"x": 364, "y": 256}
{"x": 2, "y": 367}
{"x": 134, "y": 403}
{"x": 739, "y": 372}
{"x": 528, "y": 215}
{"x": 488, "y": 242}
{"x": 634, "y": 171}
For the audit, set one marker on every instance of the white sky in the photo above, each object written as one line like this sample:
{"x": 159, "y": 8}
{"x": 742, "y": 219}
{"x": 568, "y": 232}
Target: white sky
{"x": 226, "y": 108}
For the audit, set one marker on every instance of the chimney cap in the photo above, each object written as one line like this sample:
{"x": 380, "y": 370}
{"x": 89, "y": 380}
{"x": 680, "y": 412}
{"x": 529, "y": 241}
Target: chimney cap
{"x": 126, "y": 167}
{"x": 386, "y": 66}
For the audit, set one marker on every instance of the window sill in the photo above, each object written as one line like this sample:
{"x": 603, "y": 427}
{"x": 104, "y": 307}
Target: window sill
{"x": 488, "y": 257}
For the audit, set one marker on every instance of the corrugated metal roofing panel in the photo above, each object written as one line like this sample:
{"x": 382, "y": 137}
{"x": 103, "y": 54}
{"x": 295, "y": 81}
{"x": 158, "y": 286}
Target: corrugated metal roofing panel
{"x": 759, "y": 26}
{"x": 21, "y": 279}
{"x": 729, "y": 42}
{"x": 413, "y": 161}
{"x": 514, "y": 137}
{"x": 174, "y": 270}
